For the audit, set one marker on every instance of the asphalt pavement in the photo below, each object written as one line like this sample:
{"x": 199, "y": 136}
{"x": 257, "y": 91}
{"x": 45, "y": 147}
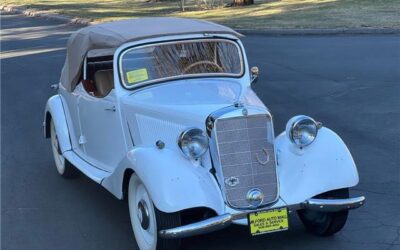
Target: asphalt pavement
{"x": 350, "y": 83}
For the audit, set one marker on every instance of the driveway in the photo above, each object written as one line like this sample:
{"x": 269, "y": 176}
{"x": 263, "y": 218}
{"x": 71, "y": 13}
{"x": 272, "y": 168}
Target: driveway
{"x": 350, "y": 83}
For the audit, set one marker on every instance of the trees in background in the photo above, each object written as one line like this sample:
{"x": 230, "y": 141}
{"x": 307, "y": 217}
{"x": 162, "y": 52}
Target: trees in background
{"x": 210, "y": 4}
{"x": 182, "y": 5}
{"x": 242, "y": 2}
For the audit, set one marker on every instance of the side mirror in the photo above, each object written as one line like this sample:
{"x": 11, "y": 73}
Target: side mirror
{"x": 254, "y": 74}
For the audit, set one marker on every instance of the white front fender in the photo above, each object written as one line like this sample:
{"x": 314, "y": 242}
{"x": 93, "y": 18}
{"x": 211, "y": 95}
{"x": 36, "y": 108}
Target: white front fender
{"x": 172, "y": 181}
{"x": 55, "y": 111}
{"x": 324, "y": 165}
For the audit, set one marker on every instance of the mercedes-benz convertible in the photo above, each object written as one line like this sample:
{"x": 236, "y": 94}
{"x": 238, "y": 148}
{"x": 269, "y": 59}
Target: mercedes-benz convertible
{"x": 160, "y": 111}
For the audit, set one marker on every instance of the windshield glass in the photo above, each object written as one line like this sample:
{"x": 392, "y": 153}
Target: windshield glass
{"x": 181, "y": 59}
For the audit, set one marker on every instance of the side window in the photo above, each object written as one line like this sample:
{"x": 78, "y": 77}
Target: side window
{"x": 99, "y": 76}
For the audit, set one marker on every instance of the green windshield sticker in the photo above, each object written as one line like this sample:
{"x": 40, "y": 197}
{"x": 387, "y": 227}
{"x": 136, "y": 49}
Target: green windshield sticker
{"x": 138, "y": 75}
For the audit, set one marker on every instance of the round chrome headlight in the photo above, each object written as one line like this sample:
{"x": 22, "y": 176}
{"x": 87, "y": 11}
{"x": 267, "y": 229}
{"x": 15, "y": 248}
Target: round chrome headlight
{"x": 302, "y": 130}
{"x": 193, "y": 142}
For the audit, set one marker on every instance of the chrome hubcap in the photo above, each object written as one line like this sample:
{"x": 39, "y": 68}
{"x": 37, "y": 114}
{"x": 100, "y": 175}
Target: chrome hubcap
{"x": 143, "y": 214}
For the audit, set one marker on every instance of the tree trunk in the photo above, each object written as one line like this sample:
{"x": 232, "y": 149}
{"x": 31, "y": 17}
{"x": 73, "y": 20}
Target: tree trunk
{"x": 242, "y": 2}
{"x": 182, "y": 5}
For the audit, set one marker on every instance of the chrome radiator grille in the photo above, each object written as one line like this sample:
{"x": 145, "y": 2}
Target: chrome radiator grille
{"x": 247, "y": 159}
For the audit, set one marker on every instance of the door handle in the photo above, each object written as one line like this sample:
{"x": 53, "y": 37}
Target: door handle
{"x": 111, "y": 109}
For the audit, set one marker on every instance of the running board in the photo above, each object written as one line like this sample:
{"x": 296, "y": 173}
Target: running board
{"x": 89, "y": 170}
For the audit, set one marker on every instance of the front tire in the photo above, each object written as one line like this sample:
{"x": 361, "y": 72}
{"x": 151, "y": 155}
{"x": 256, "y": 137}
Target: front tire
{"x": 64, "y": 167}
{"x": 325, "y": 223}
{"x": 147, "y": 220}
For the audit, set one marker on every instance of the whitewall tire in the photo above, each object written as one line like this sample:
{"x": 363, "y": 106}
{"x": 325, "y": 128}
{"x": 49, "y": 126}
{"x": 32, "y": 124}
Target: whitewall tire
{"x": 147, "y": 220}
{"x": 63, "y": 166}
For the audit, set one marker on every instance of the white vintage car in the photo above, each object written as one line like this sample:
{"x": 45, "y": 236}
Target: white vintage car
{"x": 160, "y": 111}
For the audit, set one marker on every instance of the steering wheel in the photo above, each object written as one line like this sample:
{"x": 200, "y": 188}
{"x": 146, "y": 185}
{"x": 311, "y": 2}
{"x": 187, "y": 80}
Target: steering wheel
{"x": 219, "y": 68}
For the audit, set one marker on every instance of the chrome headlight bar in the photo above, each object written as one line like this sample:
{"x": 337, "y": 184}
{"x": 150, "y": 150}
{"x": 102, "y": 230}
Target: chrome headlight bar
{"x": 193, "y": 142}
{"x": 302, "y": 130}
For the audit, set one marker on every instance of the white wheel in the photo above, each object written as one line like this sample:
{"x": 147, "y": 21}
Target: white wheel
{"x": 147, "y": 220}
{"x": 64, "y": 168}
{"x": 142, "y": 214}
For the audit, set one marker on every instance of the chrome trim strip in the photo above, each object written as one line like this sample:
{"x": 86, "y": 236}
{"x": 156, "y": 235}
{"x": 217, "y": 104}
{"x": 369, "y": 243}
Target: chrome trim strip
{"x": 333, "y": 205}
{"x": 210, "y": 121}
{"x": 224, "y": 220}
{"x": 201, "y": 227}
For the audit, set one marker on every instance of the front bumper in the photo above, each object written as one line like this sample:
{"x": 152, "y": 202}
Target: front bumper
{"x": 224, "y": 220}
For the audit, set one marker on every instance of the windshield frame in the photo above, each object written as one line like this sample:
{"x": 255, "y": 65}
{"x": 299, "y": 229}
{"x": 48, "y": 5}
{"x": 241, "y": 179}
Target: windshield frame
{"x": 180, "y": 77}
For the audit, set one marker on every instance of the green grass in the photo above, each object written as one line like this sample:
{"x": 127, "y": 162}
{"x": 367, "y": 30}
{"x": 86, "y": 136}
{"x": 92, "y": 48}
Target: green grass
{"x": 264, "y": 14}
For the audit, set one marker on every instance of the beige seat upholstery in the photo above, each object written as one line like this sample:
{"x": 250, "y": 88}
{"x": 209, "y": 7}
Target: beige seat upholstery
{"x": 104, "y": 81}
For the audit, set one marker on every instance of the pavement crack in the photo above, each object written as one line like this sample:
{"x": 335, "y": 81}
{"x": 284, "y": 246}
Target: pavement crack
{"x": 348, "y": 240}
{"x": 374, "y": 192}
{"x": 304, "y": 73}
{"x": 397, "y": 238}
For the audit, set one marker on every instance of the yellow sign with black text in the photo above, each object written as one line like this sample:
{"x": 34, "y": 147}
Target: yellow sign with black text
{"x": 138, "y": 75}
{"x": 268, "y": 221}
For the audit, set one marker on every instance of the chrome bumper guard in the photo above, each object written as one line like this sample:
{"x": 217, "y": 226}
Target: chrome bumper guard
{"x": 224, "y": 220}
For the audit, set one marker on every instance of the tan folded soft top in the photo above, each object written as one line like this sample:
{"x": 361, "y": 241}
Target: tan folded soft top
{"x": 111, "y": 35}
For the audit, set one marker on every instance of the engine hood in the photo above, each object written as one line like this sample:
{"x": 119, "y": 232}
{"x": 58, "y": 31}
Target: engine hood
{"x": 171, "y": 107}
{"x": 187, "y": 99}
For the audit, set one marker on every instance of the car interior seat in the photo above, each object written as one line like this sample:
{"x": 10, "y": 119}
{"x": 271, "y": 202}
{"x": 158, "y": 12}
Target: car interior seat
{"x": 104, "y": 82}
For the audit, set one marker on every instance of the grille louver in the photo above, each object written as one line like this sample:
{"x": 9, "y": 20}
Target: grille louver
{"x": 247, "y": 159}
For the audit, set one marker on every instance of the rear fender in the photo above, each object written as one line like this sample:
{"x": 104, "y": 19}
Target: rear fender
{"x": 55, "y": 111}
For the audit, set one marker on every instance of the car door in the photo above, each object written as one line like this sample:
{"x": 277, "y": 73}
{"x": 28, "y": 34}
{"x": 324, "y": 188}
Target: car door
{"x": 102, "y": 134}
{"x": 70, "y": 104}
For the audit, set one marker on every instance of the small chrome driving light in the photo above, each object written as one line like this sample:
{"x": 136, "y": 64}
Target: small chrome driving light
{"x": 302, "y": 130}
{"x": 254, "y": 74}
{"x": 193, "y": 142}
